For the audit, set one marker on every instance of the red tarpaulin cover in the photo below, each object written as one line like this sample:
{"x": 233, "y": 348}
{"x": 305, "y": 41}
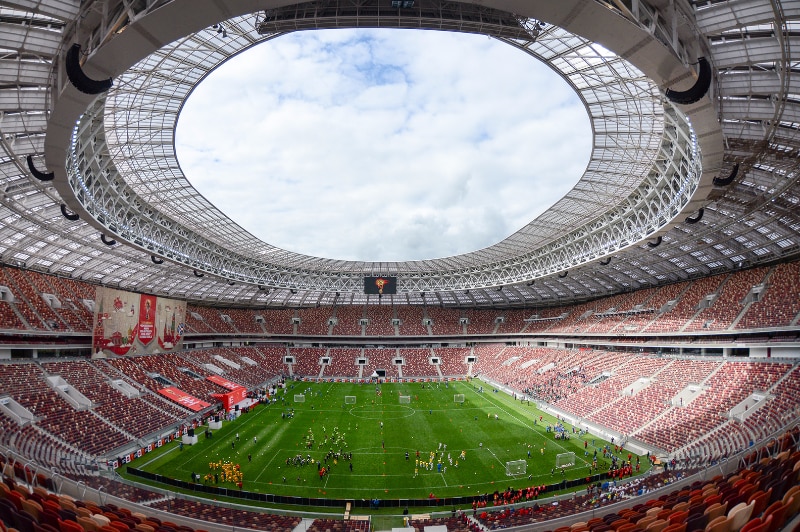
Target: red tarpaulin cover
{"x": 183, "y": 398}
{"x": 222, "y": 381}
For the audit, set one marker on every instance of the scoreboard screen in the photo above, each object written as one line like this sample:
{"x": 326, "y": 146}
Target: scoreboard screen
{"x": 384, "y": 284}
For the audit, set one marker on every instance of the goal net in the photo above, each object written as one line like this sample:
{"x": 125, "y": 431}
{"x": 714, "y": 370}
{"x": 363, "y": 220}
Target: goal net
{"x": 565, "y": 460}
{"x": 349, "y": 399}
{"x": 516, "y": 467}
{"x": 300, "y": 398}
{"x": 405, "y": 399}
{"x": 458, "y": 398}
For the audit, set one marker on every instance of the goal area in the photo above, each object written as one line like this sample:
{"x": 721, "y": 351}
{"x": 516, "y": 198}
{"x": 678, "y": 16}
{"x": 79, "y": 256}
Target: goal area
{"x": 516, "y": 467}
{"x": 405, "y": 399}
{"x": 349, "y": 399}
{"x": 299, "y": 398}
{"x": 564, "y": 460}
{"x": 458, "y": 398}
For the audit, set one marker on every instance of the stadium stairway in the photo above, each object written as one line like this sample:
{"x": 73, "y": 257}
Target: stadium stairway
{"x": 475, "y": 524}
{"x": 303, "y": 525}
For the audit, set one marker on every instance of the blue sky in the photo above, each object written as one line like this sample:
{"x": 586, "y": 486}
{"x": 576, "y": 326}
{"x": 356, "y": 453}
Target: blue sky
{"x": 383, "y": 145}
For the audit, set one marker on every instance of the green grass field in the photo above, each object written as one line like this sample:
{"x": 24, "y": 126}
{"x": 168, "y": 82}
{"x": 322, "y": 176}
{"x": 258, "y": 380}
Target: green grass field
{"x": 379, "y": 431}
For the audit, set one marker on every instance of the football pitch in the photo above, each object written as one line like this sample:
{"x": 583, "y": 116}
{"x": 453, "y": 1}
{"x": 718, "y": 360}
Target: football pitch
{"x": 373, "y": 446}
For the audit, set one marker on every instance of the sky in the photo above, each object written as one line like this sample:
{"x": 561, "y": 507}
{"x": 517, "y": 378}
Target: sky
{"x": 383, "y": 145}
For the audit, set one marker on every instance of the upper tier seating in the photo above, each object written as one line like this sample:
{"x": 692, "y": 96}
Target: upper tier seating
{"x": 640, "y": 311}
{"x": 379, "y": 320}
{"x": 691, "y": 293}
{"x": 314, "y": 320}
{"x": 244, "y": 320}
{"x": 211, "y": 318}
{"x": 411, "y": 321}
{"x": 780, "y": 305}
{"x": 278, "y": 321}
{"x": 445, "y": 321}
{"x": 348, "y": 320}
{"x": 730, "y": 302}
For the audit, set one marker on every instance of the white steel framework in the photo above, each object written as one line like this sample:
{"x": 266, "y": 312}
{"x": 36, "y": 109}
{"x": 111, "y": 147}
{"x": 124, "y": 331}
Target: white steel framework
{"x": 123, "y": 171}
{"x": 751, "y": 221}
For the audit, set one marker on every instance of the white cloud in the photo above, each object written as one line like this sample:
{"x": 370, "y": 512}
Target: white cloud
{"x": 383, "y": 144}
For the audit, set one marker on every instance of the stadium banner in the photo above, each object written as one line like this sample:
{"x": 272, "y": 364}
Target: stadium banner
{"x": 147, "y": 318}
{"x": 127, "y": 323}
{"x": 222, "y": 381}
{"x": 130, "y": 457}
{"x": 184, "y": 399}
{"x": 230, "y": 399}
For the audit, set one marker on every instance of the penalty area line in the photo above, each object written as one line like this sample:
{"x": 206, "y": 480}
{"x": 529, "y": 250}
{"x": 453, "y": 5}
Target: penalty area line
{"x": 158, "y": 457}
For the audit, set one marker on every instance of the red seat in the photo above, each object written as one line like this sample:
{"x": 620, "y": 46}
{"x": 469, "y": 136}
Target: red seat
{"x": 761, "y": 499}
{"x": 69, "y": 526}
{"x": 777, "y": 512}
{"x": 678, "y": 517}
{"x": 675, "y": 527}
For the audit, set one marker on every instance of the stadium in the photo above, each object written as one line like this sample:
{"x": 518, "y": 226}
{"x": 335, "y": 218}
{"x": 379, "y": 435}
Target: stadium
{"x": 652, "y": 311}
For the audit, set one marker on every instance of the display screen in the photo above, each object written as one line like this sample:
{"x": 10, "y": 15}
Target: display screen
{"x": 380, "y": 285}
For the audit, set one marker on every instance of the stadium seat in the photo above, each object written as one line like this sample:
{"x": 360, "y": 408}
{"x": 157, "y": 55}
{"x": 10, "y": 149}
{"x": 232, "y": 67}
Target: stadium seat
{"x": 657, "y": 526}
{"x": 69, "y": 526}
{"x": 24, "y": 522}
{"x": 696, "y": 522}
{"x": 678, "y": 517}
{"x": 100, "y": 519}
{"x": 792, "y": 502}
{"x": 627, "y": 527}
{"x": 761, "y": 500}
{"x": 681, "y": 506}
{"x": 776, "y": 514}
{"x": 87, "y": 523}
{"x": 712, "y": 499}
{"x": 754, "y": 525}
{"x": 739, "y": 515}
{"x": 32, "y": 507}
{"x": 715, "y": 510}
{"x": 720, "y": 524}
{"x": 675, "y": 527}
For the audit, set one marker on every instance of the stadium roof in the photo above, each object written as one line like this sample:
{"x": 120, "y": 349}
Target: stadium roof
{"x": 654, "y": 206}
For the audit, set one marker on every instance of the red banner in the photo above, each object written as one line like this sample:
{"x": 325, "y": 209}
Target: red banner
{"x": 183, "y": 398}
{"x": 147, "y": 318}
{"x": 230, "y": 399}
{"x": 225, "y": 383}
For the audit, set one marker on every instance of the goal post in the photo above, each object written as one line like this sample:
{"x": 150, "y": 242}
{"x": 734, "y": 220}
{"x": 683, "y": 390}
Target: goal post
{"x": 458, "y": 398}
{"x": 299, "y": 398}
{"x": 405, "y": 399}
{"x": 516, "y": 467}
{"x": 349, "y": 399}
{"x": 564, "y": 460}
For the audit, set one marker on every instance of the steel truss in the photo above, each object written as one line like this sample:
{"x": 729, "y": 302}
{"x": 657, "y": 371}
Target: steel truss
{"x": 123, "y": 171}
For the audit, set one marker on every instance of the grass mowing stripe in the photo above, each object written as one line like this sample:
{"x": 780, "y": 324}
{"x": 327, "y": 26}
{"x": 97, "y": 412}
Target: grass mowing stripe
{"x": 378, "y": 431}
